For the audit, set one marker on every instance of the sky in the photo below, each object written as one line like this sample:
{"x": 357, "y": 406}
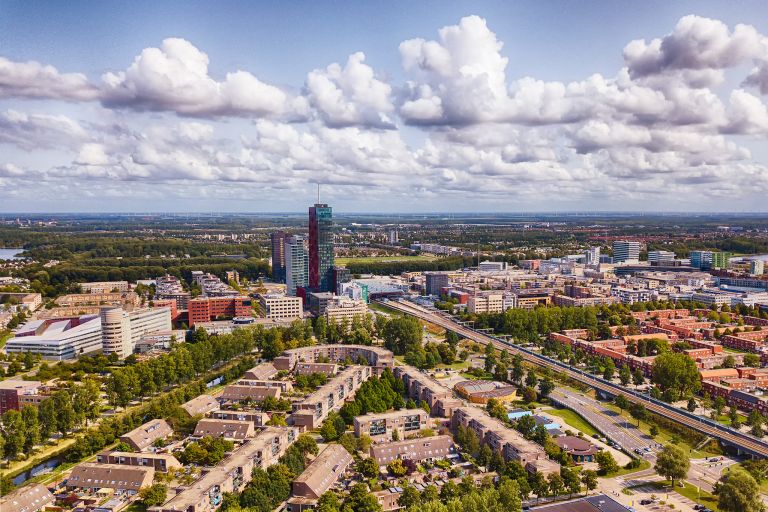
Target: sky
{"x": 385, "y": 106}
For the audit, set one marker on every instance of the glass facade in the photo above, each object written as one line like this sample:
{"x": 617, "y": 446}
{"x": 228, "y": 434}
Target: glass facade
{"x": 321, "y": 258}
{"x": 296, "y": 264}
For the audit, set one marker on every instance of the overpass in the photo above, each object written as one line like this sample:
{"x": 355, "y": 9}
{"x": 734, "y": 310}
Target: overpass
{"x": 743, "y": 442}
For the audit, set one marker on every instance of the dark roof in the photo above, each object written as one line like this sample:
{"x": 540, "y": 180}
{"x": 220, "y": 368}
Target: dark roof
{"x": 597, "y": 503}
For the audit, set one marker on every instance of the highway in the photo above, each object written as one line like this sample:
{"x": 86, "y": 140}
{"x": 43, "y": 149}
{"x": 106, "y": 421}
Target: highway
{"x": 706, "y": 426}
{"x": 609, "y": 423}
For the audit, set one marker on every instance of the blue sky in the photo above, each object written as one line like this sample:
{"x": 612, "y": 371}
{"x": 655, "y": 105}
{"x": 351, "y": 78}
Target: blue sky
{"x": 402, "y": 129}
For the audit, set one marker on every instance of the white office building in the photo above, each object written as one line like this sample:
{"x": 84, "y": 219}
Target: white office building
{"x": 280, "y": 306}
{"x": 625, "y": 251}
{"x": 660, "y": 256}
{"x": 58, "y": 338}
{"x": 122, "y": 330}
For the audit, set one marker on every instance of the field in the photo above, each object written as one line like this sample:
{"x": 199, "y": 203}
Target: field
{"x": 384, "y": 259}
{"x": 692, "y": 493}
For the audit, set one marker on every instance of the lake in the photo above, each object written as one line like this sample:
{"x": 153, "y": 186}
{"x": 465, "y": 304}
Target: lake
{"x": 9, "y": 254}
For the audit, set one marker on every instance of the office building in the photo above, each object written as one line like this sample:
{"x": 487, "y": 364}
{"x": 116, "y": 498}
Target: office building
{"x": 757, "y": 267}
{"x": 278, "y": 256}
{"x": 58, "y": 338}
{"x": 296, "y": 264}
{"x": 720, "y": 259}
{"x": 393, "y": 238}
{"x": 592, "y": 256}
{"x": 281, "y": 306}
{"x": 626, "y": 251}
{"x": 341, "y": 276}
{"x": 485, "y": 304}
{"x": 318, "y": 302}
{"x": 435, "y": 282}
{"x": 121, "y": 330}
{"x": 214, "y": 308}
{"x": 321, "y": 258}
{"x": 492, "y": 266}
{"x": 343, "y": 309}
{"x": 660, "y": 257}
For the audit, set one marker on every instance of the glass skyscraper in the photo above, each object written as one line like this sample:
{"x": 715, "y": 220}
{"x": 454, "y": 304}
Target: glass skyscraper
{"x": 296, "y": 264}
{"x": 321, "y": 248}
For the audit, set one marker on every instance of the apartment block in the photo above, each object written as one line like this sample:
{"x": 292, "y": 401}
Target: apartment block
{"x": 142, "y": 438}
{"x": 30, "y": 498}
{"x": 485, "y": 304}
{"x": 420, "y": 387}
{"x": 417, "y": 450}
{"x": 312, "y": 411}
{"x": 15, "y": 394}
{"x": 122, "y": 479}
{"x": 378, "y": 358}
{"x": 381, "y": 426}
{"x": 158, "y": 461}
{"x": 323, "y": 472}
{"x": 231, "y": 430}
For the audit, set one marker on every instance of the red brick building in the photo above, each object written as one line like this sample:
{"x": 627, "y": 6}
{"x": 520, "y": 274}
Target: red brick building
{"x": 209, "y": 309}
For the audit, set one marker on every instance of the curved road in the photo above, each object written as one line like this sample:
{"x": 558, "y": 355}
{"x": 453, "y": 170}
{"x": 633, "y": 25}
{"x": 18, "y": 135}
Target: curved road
{"x": 703, "y": 425}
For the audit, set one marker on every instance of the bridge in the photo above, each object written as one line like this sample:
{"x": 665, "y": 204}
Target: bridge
{"x": 744, "y": 443}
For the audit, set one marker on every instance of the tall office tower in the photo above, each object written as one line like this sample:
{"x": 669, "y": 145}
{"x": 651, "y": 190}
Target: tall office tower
{"x": 278, "y": 256}
{"x": 296, "y": 264}
{"x": 624, "y": 250}
{"x": 592, "y": 256}
{"x": 720, "y": 259}
{"x": 757, "y": 267}
{"x": 435, "y": 282}
{"x": 321, "y": 248}
{"x": 701, "y": 259}
{"x": 393, "y": 238}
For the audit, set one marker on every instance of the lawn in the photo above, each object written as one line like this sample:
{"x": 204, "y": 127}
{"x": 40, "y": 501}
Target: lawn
{"x": 644, "y": 464}
{"x": 5, "y": 335}
{"x": 384, "y": 259}
{"x": 575, "y": 420}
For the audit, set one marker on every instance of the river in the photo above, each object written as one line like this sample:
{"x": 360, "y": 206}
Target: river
{"x": 10, "y": 254}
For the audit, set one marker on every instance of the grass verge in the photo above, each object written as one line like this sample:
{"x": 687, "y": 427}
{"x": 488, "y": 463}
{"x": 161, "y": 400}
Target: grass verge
{"x": 575, "y": 420}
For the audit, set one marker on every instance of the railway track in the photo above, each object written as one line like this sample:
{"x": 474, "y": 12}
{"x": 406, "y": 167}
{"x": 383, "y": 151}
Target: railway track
{"x": 744, "y": 442}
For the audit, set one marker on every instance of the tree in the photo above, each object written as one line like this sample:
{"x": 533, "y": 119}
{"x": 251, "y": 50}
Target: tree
{"x": 65, "y": 412}
{"x": 368, "y": 467}
{"x": 677, "y": 373}
{"x": 752, "y": 360}
{"x": 409, "y": 498}
{"x": 539, "y": 485}
{"x": 509, "y": 495}
{"x": 360, "y": 500}
{"x": 609, "y": 369}
{"x": 31, "y": 427}
{"x": 529, "y": 394}
{"x": 606, "y": 463}
{"x": 546, "y": 386}
{"x": 397, "y": 468}
{"x": 654, "y": 431}
{"x": 14, "y": 433}
{"x": 556, "y": 485}
{"x": 738, "y": 491}
{"x": 153, "y": 495}
{"x": 672, "y": 463}
{"x": 530, "y": 379}
{"x": 691, "y": 405}
{"x": 625, "y": 375}
{"x": 621, "y": 402}
{"x": 589, "y": 479}
{"x": 719, "y": 405}
{"x": 328, "y": 431}
{"x": 571, "y": 480}
{"x": 638, "y": 379}
{"x": 402, "y": 333}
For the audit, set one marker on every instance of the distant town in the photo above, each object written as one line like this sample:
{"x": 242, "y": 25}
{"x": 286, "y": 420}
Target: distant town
{"x": 365, "y": 363}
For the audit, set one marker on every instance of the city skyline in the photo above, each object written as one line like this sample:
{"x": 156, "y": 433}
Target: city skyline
{"x": 481, "y": 107}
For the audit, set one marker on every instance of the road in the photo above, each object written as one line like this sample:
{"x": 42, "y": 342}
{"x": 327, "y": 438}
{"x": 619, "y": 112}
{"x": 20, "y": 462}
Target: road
{"x": 745, "y": 442}
{"x": 608, "y": 422}
{"x": 703, "y": 473}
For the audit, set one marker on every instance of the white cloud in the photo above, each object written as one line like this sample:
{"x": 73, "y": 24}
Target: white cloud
{"x": 351, "y": 95}
{"x": 696, "y": 43}
{"x": 36, "y": 131}
{"x": 33, "y": 80}
{"x": 175, "y": 78}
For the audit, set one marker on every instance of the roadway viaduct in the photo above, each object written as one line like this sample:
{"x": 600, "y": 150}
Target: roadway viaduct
{"x": 744, "y": 443}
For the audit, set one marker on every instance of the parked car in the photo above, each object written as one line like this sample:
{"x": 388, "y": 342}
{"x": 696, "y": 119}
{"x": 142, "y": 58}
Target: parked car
{"x": 647, "y": 502}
